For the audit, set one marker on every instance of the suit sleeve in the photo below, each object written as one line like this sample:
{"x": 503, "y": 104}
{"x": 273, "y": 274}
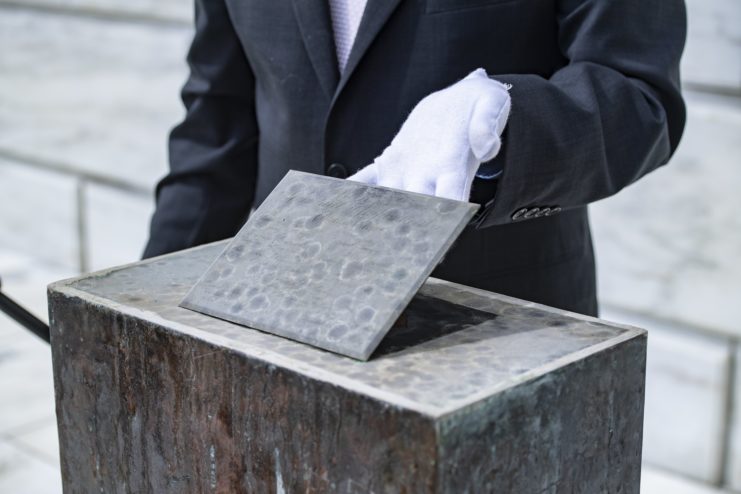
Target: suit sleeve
{"x": 209, "y": 189}
{"x": 612, "y": 114}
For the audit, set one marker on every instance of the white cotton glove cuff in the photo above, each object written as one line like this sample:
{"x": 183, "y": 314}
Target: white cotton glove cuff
{"x": 444, "y": 140}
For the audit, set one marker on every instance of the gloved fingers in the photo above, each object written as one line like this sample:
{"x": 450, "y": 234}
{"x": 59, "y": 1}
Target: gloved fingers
{"x": 488, "y": 118}
{"x": 478, "y": 73}
{"x": 391, "y": 180}
{"x": 389, "y": 169}
{"x": 370, "y": 175}
{"x": 455, "y": 186}
{"x": 503, "y": 115}
{"x": 419, "y": 184}
{"x": 367, "y": 175}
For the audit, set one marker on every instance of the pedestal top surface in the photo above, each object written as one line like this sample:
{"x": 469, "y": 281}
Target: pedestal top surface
{"x": 453, "y": 346}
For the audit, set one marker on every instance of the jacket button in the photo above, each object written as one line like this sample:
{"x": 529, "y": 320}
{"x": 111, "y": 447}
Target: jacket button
{"x": 519, "y": 214}
{"x": 532, "y": 213}
{"x": 337, "y": 170}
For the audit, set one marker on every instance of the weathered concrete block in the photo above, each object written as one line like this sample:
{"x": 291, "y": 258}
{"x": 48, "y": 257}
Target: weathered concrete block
{"x": 470, "y": 392}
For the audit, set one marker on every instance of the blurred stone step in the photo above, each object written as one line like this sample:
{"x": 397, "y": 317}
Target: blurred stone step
{"x": 177, "y": 11}
{"x": 116, "y": 225}
{"x": 733, "y": 469}
{"x": 22, "y": 473}
{"x": 90, "y": 96}
{"x": 687, "y": 383}
{"x": 656, "y": 481}
{"x": 38, "y": 214}
{"x": 668, "y": 245}
{"x": 711, "y": 57}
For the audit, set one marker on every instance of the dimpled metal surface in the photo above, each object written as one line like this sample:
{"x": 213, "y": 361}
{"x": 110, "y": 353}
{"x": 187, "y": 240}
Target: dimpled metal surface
{"x": 329, "y": 262}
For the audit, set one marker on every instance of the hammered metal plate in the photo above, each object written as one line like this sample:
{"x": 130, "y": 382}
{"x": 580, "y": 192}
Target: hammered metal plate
{"x": 329, "y": 262}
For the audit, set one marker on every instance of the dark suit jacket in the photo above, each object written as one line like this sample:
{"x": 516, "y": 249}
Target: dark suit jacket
{"x": 596, "y": 104}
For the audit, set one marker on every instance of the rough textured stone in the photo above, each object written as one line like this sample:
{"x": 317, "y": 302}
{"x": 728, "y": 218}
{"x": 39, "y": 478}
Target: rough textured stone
{"x": 90, "y": 96}
{"x": 687, "y": 377}
{"x": 27, "y": 192}
{"x": 668, "y": 246}
{"x": 330, "y": 262}
{"x": 154, "y": 397}
{"x": 117, "y": 226}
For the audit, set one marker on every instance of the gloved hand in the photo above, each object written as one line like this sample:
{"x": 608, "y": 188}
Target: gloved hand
{"x": 444, "y": 140}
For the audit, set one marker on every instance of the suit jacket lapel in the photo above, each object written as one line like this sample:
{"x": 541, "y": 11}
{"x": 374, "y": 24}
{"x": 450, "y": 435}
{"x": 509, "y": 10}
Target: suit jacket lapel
{"x": 375, "y": 16}
{"x": 315, "y": 25}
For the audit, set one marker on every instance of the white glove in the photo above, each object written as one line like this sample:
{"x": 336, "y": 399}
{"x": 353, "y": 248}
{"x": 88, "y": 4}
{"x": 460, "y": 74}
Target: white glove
{"x": 444, "y": 140}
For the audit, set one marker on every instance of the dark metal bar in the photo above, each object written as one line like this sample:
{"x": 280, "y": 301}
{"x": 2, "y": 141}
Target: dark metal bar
{"x": 23, "y": 317}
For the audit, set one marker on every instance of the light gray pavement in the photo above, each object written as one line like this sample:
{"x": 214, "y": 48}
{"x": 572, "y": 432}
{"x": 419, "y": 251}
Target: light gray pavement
{"x": 29, "y": 455}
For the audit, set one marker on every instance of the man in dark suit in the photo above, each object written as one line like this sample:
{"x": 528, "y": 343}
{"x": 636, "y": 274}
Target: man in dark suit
{"x": 595, "y": 98}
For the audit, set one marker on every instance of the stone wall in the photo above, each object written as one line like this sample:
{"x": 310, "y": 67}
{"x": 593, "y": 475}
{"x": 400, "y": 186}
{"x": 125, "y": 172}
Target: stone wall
{"x": 669, "y": 258}
{"x": 90, "y": 89}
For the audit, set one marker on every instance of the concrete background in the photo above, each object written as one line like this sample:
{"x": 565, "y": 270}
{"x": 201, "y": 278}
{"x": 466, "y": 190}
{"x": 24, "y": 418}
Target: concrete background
{"x": 90, "y": 88}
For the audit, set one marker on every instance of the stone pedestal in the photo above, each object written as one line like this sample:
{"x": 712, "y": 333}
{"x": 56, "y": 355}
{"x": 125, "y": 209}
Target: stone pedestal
{"x": 470, "y": 392}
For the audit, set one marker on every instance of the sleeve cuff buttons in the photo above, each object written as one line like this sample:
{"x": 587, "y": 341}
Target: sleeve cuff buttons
{"x": 534, "y": 212}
